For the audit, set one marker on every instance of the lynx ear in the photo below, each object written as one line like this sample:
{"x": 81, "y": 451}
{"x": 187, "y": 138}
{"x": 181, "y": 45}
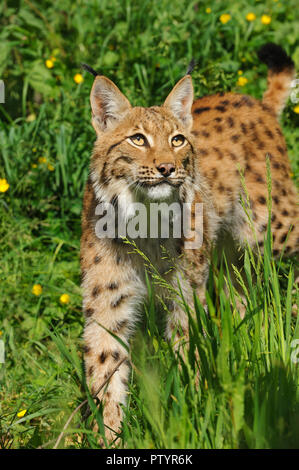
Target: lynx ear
{"x": 108, "y": 104}
{"x": 180, "y": 100}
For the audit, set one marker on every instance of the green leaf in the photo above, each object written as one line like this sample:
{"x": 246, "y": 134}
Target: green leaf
{"x": 5, "y": 49}
{"x": 41, "y": 80}
{"x": 110, "y": 59}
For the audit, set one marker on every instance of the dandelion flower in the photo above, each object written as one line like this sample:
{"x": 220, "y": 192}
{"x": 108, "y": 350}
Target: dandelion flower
{"x": 64, "y": 298}
{"x": 266, "y": 19}
{"x": 34, "y": 165}
{"x": 78, "y": 78}
{"x": 296, "y": 109}
{"x": 225, "y": 18}
{"x": 50, "y": 167}
{"x": 242, "y": 81}
{"x": 37, "y": 289}
{"x": 21, "y": 413}
{"x": 1, "y": 333}
{"x": 49, "y": 63}
{"x": 3, "y": 185}
{"x": 240, "y": 72}
{"x": 208, "y": 10}
{"x": 42, "y": 160}
{"x": 250, "y": 17}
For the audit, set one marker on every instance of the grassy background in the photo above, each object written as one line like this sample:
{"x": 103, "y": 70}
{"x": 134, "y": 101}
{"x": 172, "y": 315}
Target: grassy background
{"x": 248, "y": 390}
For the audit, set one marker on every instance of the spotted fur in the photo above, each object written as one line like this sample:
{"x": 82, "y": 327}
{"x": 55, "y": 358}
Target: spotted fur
{"x": 226, "y": 136}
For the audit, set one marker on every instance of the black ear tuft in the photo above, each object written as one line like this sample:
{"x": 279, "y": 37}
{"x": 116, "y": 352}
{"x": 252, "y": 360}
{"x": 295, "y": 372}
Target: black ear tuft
{"x": 90, "y": 70}
{"x": 191, "y": 67}
{"x": 275, "y": 57}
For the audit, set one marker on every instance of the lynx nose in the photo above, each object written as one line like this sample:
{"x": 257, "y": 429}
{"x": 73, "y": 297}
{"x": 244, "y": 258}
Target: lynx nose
{"x": 166, "y": 169}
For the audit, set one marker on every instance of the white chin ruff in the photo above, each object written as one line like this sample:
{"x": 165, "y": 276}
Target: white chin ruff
{"x": 161, "y": 191}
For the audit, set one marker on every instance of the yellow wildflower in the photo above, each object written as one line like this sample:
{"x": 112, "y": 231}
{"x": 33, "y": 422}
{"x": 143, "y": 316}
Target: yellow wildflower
{"x": 21, "y": 413}
{"x": 266, "y": 19}
{"x": 42, "y": 160}
{"x": 3, "y": 185}
{"x": 242, "y": 81}
{"x": 1, "y": 333}
{"x": 64, "y": 298}
{"x": 240, "y": 72}
{"x": 50, "y": 167}
{"x": 34, "y": 165}
{"x": 34, "y": 149}
{"x": 31, "y": 117}
{"x": 225, "y": 18}
{"x": 250, "y": 17}
{"x": 53, "y": 58}
{"x": 37, "y": 289}
{"x": 208, "y": 10}
{"x": 296, "y": 109}
{"x": 78, "y": 78}
{"x": 49, "y": 63}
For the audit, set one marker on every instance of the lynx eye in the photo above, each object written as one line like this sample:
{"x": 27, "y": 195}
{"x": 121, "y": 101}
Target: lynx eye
{"x": 138, "y": 139}
{"x": 178, "y": 140}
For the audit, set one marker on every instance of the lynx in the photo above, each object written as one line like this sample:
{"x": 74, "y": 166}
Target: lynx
{"x": 192, "y": 153}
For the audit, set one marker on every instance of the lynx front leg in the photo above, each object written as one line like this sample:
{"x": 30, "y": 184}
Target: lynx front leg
{"x": 177, "y": 329}
{"x": 194, "y": 265}
{"x": 110, "y": 298}
{"x": 194, "y": 279}
{"x": 102, "y": 354}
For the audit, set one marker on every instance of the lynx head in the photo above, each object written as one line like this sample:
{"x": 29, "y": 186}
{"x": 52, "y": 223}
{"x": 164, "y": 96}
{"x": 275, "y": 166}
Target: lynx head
{"x": 141, "y": 152}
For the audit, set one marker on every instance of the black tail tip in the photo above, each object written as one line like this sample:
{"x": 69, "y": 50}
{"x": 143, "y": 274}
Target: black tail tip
{"x": 90, "y": 70}
{"x": 275, "y": 57}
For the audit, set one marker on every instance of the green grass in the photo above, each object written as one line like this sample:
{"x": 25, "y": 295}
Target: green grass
{"x": 248, "y": 387}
